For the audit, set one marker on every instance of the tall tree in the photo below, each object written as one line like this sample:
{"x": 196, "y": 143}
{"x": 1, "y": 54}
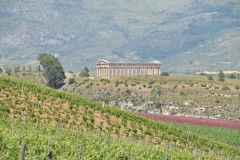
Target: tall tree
{"x": 52, "y": 70}
{"x": 84, "y": 72}
{"x": 221, "y": 76}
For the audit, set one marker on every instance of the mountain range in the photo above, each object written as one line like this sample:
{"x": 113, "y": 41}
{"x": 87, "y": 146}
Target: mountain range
{"x": 187, "y": 36}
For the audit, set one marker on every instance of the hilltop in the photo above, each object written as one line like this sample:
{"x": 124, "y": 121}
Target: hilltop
{"x": 186, "y": 37}
{"x": 42, "y": 110}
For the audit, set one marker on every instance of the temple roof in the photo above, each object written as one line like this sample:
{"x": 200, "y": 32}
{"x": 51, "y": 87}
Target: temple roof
{"x": 103, "y": 62}
{"x": 155, "y": 61}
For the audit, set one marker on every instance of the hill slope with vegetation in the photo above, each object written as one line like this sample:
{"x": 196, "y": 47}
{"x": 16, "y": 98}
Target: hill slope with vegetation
{"x": 189, "y": 95}
{"x": 188, "y": 36}
{"x": 30, "y": 110}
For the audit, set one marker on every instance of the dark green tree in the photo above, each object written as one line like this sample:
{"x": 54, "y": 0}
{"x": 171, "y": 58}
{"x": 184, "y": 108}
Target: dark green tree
{"x": 84, "y": 72}
{"x": 221, "y": 76}
{"x": 165, "y": 74}
{"x": 232, "y": 76}
{"x": 52, "y": 70}
{"x": 71, "y": 81}
{"x": 1, "y": 70}
{"x": 210, "y": 77}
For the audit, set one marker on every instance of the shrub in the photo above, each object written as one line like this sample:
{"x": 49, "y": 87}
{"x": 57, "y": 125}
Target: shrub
{"x": 182, "y": 93}
{"x": 158, "y": 105}
{"x": 221, "y": 76}
{"x": 71, "y": 81}
{"x": 165, "y": 74}
{"x": 225, "y": 88}
{"x": 210, "y": 77}
{"x": 116, "y": 83}
{"x": 84, "y": 72}
{"x": 232, "y": 76}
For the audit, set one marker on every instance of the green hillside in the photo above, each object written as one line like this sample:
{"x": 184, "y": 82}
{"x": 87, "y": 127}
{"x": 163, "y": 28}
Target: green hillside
{"x": 188, "y": 36}
{"x": 47, "y": 119}
{"x": 187, "y": 95}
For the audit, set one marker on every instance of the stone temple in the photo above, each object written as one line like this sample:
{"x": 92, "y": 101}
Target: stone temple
{"x": 108, "y": 69}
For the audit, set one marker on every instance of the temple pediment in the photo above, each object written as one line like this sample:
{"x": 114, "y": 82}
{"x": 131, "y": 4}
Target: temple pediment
{"x": 155, "y": 61}
{"x": 103, "y": 62}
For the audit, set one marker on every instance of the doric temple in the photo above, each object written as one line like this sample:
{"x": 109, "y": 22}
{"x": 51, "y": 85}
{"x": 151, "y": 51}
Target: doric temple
{"x": 108, "y": 69}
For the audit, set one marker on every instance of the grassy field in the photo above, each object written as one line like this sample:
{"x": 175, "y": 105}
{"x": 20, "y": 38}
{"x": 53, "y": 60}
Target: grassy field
{"x": 229, "y": 136}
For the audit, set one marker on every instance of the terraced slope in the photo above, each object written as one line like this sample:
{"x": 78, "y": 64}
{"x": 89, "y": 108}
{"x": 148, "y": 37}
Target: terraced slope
{"x": 35, "y": 105}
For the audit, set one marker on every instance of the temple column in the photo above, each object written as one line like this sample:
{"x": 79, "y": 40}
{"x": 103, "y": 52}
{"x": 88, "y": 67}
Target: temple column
{"x": 116, "y": 71}
{"x": 132, "y": 71}
{"x": 120, "y": 71}
{"x": 108, "y": 72}
{"x": 128, "y": 71}
{"x": 124, "y": 71}
{"x": 112, "y": 71}
{"x": 136, "y": 70}
{"x": 140, "y": 70}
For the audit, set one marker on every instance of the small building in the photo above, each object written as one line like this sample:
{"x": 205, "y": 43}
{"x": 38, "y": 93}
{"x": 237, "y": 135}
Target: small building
{"x": 108, "y": 69}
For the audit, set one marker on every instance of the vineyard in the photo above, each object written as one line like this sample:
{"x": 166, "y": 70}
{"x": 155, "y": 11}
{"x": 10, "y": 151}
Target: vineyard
{"x": 73, "y": 127}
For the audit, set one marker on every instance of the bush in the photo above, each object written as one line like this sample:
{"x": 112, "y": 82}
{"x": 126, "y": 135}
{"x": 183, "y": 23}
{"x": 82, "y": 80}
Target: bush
{"x": 116, "y": 83}
{"x": 225, "y": 88}
{"x": 84, "y": 72}
{"x": 232, "y": 76}
{"x": 221, "y": 76}
{"x": 158, "y": 105}
{"x": 165, "y": 74}
{"x": 71, "y": 81}
{"x": 210, "y": 77}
